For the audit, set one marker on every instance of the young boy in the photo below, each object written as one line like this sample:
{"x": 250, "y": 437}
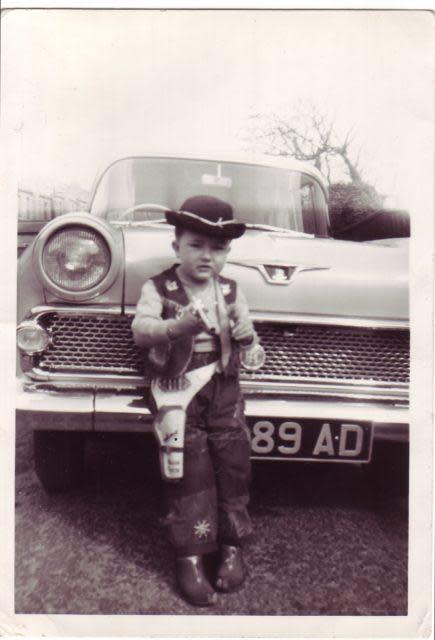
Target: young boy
{"x": 207, "y": 508}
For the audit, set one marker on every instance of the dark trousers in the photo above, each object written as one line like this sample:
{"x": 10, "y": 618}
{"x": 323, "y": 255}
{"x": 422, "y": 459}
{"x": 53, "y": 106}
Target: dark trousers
{"x": 209, "y": 505}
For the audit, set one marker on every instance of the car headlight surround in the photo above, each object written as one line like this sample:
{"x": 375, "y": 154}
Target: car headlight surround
{"x": 76, "y": 257}
{"x": 32, "y": 338}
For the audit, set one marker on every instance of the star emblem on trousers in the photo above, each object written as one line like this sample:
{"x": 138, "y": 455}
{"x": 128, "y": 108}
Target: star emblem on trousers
{"x": 202, "y": 528}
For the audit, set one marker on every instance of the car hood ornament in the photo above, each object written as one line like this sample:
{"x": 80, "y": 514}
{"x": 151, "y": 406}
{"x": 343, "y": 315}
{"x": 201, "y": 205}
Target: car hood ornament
{"x": 277, "y": 274}
{"x": 283, "y": 274}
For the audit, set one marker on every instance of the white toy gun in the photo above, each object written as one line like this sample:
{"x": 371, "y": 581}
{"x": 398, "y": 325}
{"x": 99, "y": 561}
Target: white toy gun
{"x": 198, "y": 309}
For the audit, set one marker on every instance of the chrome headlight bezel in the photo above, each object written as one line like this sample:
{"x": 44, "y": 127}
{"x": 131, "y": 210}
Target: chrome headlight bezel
{"x": 111, "y": 238}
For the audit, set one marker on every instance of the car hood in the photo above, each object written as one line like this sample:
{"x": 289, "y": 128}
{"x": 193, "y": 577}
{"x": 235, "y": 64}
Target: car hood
{"x": 332, "y": 277}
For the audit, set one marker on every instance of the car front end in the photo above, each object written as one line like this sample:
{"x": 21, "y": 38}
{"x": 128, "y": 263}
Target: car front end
{"x": 331, "y": 315}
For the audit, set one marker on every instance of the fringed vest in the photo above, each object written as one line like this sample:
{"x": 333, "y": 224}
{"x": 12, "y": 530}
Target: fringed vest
{"x": 171, "y": 359}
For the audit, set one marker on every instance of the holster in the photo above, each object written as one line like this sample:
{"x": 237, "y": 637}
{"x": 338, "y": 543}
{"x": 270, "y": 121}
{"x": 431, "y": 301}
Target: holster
{"x": 170, "y": 422}
{"x": 169, "y": 426}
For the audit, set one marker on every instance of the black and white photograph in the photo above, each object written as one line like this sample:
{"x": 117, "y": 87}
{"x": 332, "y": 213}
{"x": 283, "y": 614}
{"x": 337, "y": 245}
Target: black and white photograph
{"x": 220, "y": 248}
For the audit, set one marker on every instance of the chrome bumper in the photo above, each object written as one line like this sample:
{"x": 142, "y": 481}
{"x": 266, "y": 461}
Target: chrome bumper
{"x": 98, "y": 410}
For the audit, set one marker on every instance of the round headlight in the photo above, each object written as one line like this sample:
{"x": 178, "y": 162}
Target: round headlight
{"x": 32, "y": 338}
{"x": 76, "y": 258}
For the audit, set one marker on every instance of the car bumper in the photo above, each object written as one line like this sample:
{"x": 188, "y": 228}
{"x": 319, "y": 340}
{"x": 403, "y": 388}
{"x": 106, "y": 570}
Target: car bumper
{"x": 90, "y": 410}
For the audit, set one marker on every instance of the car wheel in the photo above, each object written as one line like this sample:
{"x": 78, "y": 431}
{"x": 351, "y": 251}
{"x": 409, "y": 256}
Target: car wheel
{"x": 59, "y": 459}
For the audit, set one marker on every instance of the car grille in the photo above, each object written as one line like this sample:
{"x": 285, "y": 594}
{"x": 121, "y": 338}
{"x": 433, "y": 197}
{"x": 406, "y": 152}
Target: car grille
{"x": 103, "y": 345}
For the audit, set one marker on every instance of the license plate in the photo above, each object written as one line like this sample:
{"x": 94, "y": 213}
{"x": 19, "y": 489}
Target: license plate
{"x": 305, "y": 439}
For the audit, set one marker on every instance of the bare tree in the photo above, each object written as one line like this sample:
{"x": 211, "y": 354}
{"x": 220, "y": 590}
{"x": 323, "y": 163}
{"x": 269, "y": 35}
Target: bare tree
{"x": 311, "y": 134}
{"x": 308, "y": 134}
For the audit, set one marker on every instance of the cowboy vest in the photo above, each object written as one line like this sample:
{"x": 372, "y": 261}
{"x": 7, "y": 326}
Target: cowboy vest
{"x": 171, "y": 359}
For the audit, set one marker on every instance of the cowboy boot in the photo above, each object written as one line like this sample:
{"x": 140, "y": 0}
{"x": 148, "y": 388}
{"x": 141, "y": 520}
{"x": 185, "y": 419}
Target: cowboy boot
{"x": 231, "y": 572}
{"x": 193, "y": 583}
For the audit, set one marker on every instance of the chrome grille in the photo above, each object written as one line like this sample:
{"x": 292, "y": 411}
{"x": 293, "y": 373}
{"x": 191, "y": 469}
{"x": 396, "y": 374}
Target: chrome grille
{"x": 334, "y": 353}
{"x": 89, "y": 343}
{"x": 103, "y": 345}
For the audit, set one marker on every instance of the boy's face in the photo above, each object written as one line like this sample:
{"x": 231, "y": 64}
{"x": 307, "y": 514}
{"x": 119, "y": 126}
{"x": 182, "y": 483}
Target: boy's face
{"x": 201, "y": 257}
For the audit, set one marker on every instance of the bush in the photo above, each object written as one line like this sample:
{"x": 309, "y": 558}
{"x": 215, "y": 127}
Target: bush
{"x": 356, "y": 212}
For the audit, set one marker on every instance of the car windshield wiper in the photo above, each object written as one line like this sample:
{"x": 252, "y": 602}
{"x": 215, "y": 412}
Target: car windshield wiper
{"x": 269, "y": 227}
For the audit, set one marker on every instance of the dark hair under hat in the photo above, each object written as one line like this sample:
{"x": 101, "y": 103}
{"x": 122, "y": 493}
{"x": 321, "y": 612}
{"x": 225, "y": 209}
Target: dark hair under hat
{"x": 208, "y": 215}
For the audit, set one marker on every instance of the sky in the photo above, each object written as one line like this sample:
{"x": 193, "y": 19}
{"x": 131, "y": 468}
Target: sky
{"x": 81, "y": 88}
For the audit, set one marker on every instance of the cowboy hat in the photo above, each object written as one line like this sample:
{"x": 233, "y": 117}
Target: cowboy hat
{"x": 207, "y": 215}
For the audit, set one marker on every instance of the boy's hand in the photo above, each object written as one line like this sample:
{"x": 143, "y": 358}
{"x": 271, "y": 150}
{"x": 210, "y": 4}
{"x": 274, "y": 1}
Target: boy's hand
{"x": 189, "y": 324}
{"x": 241, "y": 326}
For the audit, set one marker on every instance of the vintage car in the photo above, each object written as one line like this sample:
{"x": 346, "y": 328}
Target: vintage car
{"x": 332, "y": 315}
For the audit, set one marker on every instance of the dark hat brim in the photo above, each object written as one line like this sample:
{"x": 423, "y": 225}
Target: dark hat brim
{"x": 228, "y": 229}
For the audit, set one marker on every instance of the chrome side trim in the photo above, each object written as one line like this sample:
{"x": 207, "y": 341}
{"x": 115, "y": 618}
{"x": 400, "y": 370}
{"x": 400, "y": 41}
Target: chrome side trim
{"x": 333, "y": 382}
{"x": 86, "y": 378}
{"x": 76, "y": 310}
{"x": 330, "y": 389}
{"x": 304, "y": 382}
{"x": 355, "y": 391}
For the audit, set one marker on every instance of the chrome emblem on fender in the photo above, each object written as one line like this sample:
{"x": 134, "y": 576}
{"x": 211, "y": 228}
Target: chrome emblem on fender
{"x": 283, "y": 274}
{"x": 277, "y": 274}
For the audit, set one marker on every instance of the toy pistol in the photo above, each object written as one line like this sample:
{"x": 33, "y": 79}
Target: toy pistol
{"x": 198, "y": 309}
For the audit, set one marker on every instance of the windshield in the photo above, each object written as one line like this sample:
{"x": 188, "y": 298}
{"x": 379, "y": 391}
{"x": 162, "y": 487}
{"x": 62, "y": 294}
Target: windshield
{"x": 259, "y": 195}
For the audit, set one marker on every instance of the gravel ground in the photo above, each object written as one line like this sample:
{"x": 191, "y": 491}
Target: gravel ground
{"x": 327, "y": 541}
